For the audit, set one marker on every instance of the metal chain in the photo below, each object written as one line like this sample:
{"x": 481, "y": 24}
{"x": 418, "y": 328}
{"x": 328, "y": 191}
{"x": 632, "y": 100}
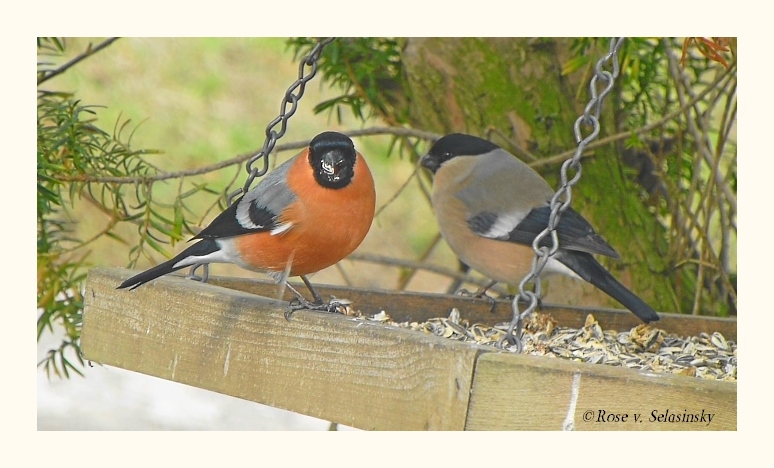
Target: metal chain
{"x": 307, "y": 69}
{"x": 561, "y": 199}
{"x": 290, "y": 98}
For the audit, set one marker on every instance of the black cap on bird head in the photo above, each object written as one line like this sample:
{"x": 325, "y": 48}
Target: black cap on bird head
{"x": 453, "y": 145}
{"x": 332, "y": 156}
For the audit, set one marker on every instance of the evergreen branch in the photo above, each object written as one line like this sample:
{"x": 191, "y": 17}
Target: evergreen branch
{"x": 397, "y": 131}
{"x": 47, "y": 75}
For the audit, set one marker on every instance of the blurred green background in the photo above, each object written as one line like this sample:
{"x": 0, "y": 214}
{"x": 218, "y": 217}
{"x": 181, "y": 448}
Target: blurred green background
{"x": 200, "y": 101}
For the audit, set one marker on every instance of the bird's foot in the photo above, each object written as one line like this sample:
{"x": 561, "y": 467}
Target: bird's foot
{"x": 204, "y": 277}
{"x": 480, "y": 293}
{"x": 335, "y": 306}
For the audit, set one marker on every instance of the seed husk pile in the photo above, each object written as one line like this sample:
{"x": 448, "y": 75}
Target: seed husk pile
{"x": 644, "y": 347}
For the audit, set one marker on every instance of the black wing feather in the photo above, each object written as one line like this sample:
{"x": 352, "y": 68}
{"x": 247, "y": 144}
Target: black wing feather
{"x": 575, "y": 233}
{"x": 226, "y": 224}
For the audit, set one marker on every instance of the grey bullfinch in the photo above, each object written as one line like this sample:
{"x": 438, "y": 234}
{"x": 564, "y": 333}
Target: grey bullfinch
{"x": 490, "y": 206}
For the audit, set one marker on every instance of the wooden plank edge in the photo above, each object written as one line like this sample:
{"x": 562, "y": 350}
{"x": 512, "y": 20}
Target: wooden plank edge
{"x": 413, "y": 306}
{"x": 523, "y": 392}
{"x": 130, "y": 321}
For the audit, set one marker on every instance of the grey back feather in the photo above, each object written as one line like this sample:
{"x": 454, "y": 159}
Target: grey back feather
{"x": 511, "y": 186}
{"x": 272, "y": 194}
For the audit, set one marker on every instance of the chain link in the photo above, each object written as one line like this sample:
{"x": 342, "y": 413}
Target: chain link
{"x": 307, "y": 69}
{"x": 290, "y": 99}
{"x": 562, "y": 198}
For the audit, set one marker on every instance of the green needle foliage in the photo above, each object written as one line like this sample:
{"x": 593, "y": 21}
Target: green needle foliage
{"x": 366, "y": 69}
{"x": 80, "y": 162}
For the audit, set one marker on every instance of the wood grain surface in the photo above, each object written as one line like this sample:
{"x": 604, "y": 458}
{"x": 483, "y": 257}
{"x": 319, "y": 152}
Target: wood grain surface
{"x": 228, "y": 337}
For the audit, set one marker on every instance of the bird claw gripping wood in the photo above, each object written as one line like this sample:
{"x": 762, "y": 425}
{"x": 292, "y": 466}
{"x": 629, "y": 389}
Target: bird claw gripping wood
{"x": 480, "y": 293}
{"x": 336, "y": 306}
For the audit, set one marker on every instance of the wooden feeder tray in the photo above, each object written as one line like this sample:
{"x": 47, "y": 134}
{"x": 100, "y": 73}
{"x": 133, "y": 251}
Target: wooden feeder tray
{"x": 230, "y": 337}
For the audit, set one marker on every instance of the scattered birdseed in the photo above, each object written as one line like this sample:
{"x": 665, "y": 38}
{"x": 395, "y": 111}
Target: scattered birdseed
{"x": 644, "y": 347}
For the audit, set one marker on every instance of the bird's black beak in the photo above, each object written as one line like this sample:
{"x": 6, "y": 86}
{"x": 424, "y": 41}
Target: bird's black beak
{"x": 430, "y": 162}
{"x": 332, "y": 163}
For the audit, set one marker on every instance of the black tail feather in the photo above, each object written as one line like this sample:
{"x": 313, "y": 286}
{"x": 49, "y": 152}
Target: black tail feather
{"x": 588, "y": 268}
{"x": 203, "y": 247}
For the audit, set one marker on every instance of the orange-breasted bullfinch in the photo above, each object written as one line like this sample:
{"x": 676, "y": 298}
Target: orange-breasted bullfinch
{"x": 490, "y": 206}
{"x": 307, "y": 214}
